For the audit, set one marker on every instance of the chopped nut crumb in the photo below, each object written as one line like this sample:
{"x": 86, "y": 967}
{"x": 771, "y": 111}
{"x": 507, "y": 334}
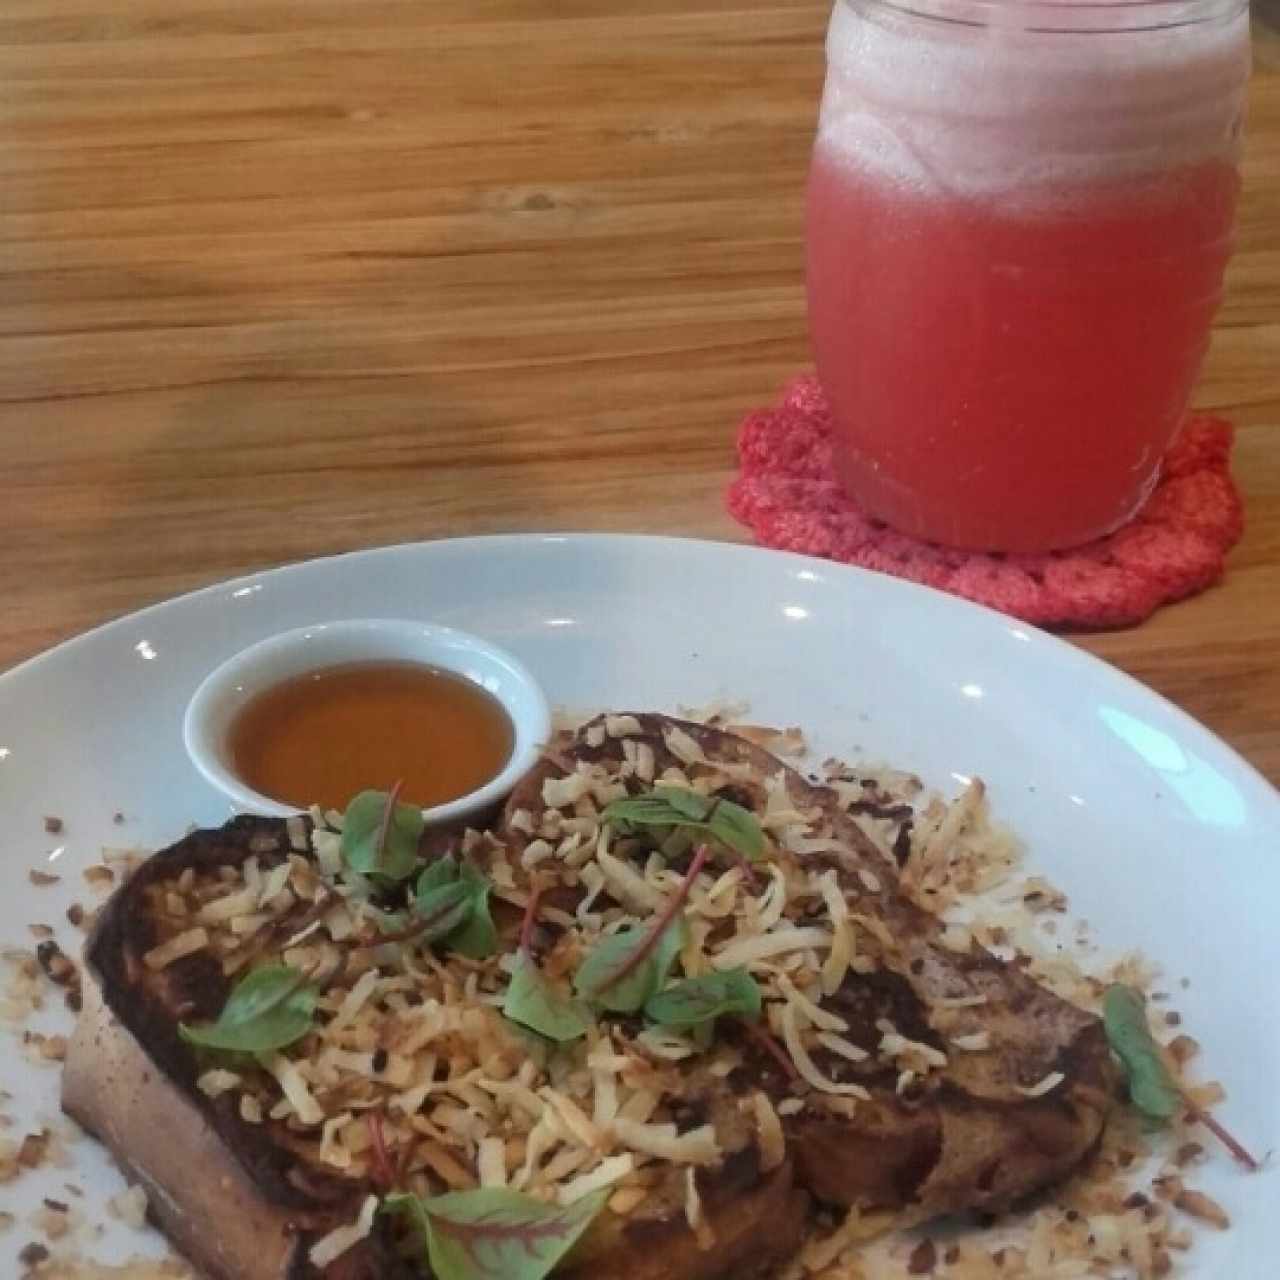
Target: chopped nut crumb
{"x": 924, "y": 1257}
{"x": 34, "y": 1148}
{"x": 99, "y": 877}
{"x": 41, "y": 879}
{"x": 1205, "y": 1208}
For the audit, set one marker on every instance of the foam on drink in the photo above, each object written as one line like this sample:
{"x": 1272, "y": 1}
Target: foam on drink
{"x": 1004, "y": 107}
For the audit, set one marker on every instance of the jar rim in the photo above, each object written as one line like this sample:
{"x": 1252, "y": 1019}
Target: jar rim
{"x": 1065, "y": 17}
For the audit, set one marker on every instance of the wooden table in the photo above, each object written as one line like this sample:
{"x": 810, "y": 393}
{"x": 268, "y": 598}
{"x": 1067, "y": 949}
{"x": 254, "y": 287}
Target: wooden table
{"x": 293, "y": 277}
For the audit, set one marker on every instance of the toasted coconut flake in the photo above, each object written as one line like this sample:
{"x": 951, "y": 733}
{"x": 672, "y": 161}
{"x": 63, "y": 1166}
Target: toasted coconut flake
{"x": 328, "y": 850}
{"x": 213, "y": 1084}
{"x": 564, "y": 793}
{"x": 332, "y": 1151}
{"x": 747, "y": 951}
{"x": 893, "y": 1044}
{"x": 823, "y": 1019}
{"x": 331, "y": 1247}
{"x": 783, "y": 742}
{"x": 698, "y": 1146}
{"x": 773, "y": 901}
{"x": 622, "y": 726}
{"x": 806, "y": 1066}
{"x": 842, "y": 1047}
{"x": 177, "y": 948}
{"x": 536, "y": 851}
{"x": 130, "y": 1207}
{"x": 610, "y": 1170}
{"x": 354, "y": 1000}
{"x": 230, "y": 906}
{"x": 773, "y": 1143}
{"x": 296, "y": 827}
{"x": 682, "y": 746}
{"x": 605, "y": 1095}
{"x": 843, "y": 943}
{"x": 640, "y": 1106}
{"x": 665, "y": 1044}
{"x": 975, "y": 1042}
{"x": 630, "y": 888}
{"x": 273, "y": 884}
{"x": 693, "y": 1212}
{"x": 1045, "y": 1085}
{"x": 294, "y": 1088}
{"x": 541, "y": 1141}
{"x": 491, "y": 1162}
{"x": 577, "y": 1125}
{"x": 442, "y": 1162}
{"x": 1203, "y": 1207}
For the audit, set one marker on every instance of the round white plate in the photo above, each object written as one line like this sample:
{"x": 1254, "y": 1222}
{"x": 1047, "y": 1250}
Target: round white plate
{"x": 1164, "y": 839}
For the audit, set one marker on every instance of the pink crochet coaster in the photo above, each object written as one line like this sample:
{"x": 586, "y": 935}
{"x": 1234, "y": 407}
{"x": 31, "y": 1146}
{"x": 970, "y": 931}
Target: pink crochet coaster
{"x": 787, "y": 494}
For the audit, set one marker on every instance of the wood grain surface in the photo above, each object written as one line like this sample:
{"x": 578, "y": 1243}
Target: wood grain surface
{"x": 299, "y": 276}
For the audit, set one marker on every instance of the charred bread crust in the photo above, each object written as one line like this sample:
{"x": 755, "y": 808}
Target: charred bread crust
{"x": 130, "y": 1028}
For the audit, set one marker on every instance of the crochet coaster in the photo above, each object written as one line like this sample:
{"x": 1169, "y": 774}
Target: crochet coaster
{"x": 787, "y": 494}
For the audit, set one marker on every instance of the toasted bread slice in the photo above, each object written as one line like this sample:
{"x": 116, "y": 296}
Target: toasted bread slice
{"x": 226, "y": 1192}
{"x": 991, "y": 1126}
{"x": 247, "y": 1200}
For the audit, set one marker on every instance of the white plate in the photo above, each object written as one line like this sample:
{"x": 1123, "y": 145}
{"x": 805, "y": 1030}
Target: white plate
{"x": 1165, "y": 840}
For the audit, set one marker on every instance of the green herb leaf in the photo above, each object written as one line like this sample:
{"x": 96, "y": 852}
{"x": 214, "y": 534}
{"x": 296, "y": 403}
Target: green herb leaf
{"x": 692, "y": 804}
{"x": 441, "y": 872}
{"x": 534, "y": 1001}
{"x": 595, "y": 982}
{"x": 267, "y": 1009}
{"x": 477, "y": 936}
{"x": 1152, "y": 1088}
{"x": 737, "y": 828}
{"x": 377, "y": 843}
{"x": 665, "y": 806}
{"x": 442, "y": 912}
{"x": 496, "y": 1234}
{"x": 694, "y": 1002}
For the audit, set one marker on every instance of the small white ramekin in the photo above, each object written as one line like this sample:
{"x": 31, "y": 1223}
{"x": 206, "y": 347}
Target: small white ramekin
{"x": 226, "y": 690}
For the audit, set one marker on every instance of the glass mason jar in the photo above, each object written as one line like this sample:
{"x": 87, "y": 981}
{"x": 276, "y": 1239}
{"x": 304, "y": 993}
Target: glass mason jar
{"x": 1019, "y": 214}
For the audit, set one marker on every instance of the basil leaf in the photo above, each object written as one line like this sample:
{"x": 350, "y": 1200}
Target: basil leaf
{"x": 535, "y": 1002}
{"x": 267, "y": 1009}
{"x": 442, "y": 911}
{"x": 1152, "y": 1088}
{"x": 494, "y": 1233}
{"x": 594, "y": 981}
{"x": 372, "y": 844}
{"x": 693, "y": 1002}
{"x": 665, "y": 806}
{"x": 477, "y": 937}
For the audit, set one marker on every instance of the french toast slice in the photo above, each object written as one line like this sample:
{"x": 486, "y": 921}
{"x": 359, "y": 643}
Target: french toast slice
{"x": 1018, "y": 1082}
{"x": 228, "y": 1193}
{"x": 247, "y": 1199}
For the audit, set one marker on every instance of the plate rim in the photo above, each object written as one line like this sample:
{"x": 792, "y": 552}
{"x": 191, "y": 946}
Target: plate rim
{"x": 1040, "y": 639}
